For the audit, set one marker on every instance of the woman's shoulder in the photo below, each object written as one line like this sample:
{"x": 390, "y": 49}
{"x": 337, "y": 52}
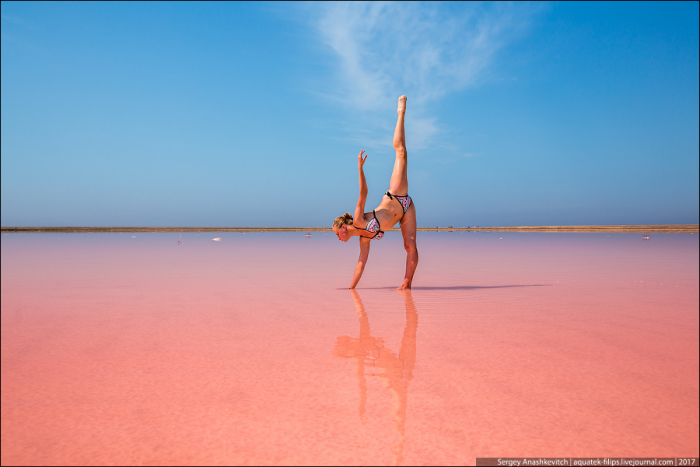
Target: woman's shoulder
{"x": 362, "y": 221}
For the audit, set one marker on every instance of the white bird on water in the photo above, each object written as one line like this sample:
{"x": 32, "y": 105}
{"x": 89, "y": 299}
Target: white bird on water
{"x": 217, "y": 239}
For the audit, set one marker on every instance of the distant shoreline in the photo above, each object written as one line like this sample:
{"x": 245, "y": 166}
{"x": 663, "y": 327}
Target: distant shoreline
{"x": 666, "y": 228}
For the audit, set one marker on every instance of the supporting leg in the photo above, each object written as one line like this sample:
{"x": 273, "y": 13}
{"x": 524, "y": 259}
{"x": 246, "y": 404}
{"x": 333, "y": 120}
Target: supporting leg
{"x": 398, "y": 184}
{"x": 408, "y": 230}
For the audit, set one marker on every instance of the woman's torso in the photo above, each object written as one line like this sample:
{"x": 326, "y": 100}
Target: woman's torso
{"x": 389, "y": 213}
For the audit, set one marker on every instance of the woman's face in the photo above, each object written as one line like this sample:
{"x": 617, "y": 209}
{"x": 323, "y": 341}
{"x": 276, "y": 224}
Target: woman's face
{"x": 342, "y": 233}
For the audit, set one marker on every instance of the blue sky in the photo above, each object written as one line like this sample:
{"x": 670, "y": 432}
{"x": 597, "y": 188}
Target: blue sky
{"x": 230, "y": 114}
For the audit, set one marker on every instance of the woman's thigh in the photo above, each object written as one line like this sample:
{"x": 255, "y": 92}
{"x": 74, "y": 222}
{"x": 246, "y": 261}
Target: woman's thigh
{"x": 398, "y": 185}
{"x": 408, "y": 227}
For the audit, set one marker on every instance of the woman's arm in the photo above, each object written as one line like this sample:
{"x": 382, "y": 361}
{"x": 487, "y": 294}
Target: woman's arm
{"x": 360, "y": 209}
{"x": 364, "y": 254}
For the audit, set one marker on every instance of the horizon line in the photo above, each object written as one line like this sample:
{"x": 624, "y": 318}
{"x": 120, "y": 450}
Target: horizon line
{"x": 669, "y": 228}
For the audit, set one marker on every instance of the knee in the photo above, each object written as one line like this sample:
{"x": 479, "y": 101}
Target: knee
{"x": 400, "y": 150}
{"x": 410, "y": 248}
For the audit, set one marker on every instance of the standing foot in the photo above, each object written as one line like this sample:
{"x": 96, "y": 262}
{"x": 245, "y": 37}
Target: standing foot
{"x": 402, "y": 105}
{"x": 406, "y": 285}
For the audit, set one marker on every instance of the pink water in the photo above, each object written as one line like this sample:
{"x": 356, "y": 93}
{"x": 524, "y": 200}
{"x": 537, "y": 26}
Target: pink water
{"x": 249, "y": 351}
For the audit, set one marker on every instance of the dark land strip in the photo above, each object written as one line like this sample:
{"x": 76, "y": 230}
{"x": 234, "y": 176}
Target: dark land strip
{"x": 669, "y": 228}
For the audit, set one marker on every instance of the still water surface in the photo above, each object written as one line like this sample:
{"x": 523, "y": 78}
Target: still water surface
{"x": 137, "y": 350}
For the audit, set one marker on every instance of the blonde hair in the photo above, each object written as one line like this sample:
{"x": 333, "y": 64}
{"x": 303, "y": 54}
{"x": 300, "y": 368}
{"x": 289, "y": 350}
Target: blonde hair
{"x": 345, "y": 219}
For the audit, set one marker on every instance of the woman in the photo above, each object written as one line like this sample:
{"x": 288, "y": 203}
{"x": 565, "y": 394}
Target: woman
{"x": 396, "y": 206}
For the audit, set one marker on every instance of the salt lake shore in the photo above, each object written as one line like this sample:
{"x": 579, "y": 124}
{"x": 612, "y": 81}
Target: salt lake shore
{"x": 665, "y": 228}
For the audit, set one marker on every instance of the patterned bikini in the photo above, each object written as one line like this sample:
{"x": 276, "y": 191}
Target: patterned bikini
{"x": 404, "y": 200}
{"x": 373, "y": 225}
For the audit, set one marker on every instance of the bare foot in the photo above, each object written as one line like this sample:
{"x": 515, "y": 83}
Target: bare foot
{"x": 402, "y": 105}
{"x": 405, "y": 286}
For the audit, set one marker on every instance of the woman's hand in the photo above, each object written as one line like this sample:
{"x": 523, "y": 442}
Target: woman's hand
{"x": 361, "y": 160}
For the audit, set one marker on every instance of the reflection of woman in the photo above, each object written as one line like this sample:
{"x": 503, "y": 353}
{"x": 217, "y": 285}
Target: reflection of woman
{"x": 396, "y": 372}
{"x": 396, "y": 206}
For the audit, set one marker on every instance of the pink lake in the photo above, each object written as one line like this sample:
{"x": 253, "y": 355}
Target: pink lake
{"x": 120, "y": 350}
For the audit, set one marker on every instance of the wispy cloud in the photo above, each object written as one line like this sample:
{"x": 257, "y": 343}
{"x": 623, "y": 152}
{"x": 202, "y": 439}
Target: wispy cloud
{"x": 423, "y": 50}
{"x": 13, "y": 19}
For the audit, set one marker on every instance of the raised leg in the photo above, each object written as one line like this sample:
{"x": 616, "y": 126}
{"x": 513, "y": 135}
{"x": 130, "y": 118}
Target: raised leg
{"x": 408, "y": 230}
{"x": 398, "y": 185}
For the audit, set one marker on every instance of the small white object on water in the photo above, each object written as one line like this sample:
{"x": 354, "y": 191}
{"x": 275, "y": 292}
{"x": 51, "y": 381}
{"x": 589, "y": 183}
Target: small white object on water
{"x": 133, "y": 236}
{"x": 217, "y": 239}
{"x": 645, "y": 237}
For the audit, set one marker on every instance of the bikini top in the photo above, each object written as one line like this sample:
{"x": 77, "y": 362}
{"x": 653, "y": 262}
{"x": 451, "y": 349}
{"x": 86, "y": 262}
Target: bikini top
{"x": 372, "y": 227}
